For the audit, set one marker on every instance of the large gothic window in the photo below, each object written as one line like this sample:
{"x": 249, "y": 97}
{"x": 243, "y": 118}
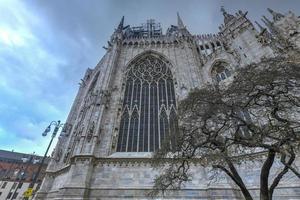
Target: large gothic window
{"x": 149, "y": 106}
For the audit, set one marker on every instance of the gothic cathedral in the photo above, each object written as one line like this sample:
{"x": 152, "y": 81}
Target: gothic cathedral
{"x": 126, "y": 106}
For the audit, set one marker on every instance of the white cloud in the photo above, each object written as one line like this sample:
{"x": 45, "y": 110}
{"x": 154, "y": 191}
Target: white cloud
{"x": 29, "y": 79}
{"x": 11, "y": 37}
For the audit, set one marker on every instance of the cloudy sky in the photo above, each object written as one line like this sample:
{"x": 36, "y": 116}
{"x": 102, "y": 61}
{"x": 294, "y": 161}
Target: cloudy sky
{"x": 46, "y": 46}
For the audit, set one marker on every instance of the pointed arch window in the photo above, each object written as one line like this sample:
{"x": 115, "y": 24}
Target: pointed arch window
{"x": 220, "y": 71}
{"x": 148, "y": 113}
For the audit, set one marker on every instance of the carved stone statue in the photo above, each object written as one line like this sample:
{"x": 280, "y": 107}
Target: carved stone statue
{"x": 105, "y": 97}
{"x": 90, "y": 132}
{"x": 58, "y": 154}
{"x": 114, "y": 142}
{"x": 67, "y": 155}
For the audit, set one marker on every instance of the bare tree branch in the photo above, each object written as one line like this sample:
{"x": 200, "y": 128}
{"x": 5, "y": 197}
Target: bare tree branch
{"x": 220, "y": 126}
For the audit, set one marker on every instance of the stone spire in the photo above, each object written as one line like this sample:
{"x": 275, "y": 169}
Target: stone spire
{"x": 264, "y": 36}
{"x": 260, "y": 26}
{"x": 117, "y": 35}
{"x": 269, "y": 24}
{"x": 227, "y": 17}
{"x": 266, "y": 21}
{"x": 179, "y": 22}
{"x": 121, "y": 25}
{"x": 276, "y": 15}
{"x": 182, "y": 30}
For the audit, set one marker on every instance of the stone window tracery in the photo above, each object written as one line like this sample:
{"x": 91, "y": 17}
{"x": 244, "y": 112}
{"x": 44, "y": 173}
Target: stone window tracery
{"x": 149, "y": 106}
{"x": 220, "y": 72}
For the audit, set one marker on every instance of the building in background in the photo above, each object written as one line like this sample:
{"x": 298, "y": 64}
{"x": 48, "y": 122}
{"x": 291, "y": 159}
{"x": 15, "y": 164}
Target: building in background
{"x": 17, "y": 170}
{"x": 126, "y": 106}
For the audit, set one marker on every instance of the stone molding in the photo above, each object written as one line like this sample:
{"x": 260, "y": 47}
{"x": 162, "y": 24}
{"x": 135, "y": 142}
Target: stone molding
{"x": 126, "y": 162}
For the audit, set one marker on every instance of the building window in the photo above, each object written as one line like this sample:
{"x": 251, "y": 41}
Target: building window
{"x": 2, "y": 173}
{"x": 20, "y": 185}
{"x": 15, "y": 195}
{"x": 148, "y": 112}
{"x": 4, "y": 185}
{"x": 9, "y": 195}
{"x": 23, "y": 175}
{"x": 33, "y": 175}
{"x": 220, "y": 71}
{"x": 20, "y": 175}
{"x": 14, "y": 186}
{"x": 223, "y": 75}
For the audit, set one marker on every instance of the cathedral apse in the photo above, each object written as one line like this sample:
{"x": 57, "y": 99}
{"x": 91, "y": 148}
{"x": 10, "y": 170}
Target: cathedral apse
{"x": 125, "y": 108}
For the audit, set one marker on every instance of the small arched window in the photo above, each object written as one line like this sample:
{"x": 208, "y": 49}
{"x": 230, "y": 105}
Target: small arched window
{"x": 148, "y": 114}
{"x": 220, "y": 71}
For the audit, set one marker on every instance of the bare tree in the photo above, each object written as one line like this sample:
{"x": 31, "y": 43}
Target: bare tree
{"x": 257, "y": 114}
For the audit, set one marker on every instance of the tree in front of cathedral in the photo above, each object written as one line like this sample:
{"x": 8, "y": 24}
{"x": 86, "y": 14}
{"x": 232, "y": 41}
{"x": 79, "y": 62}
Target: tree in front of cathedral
{"x": 254, "y": 119}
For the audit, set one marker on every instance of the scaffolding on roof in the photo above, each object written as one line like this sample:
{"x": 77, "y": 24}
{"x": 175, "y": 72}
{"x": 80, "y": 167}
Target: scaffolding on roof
{"x": 149, "y": 29}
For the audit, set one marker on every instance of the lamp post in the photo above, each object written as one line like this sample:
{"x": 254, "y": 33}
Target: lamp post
{"x": 57, "y": 125}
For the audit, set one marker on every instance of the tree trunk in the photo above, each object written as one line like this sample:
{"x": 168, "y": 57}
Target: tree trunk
{"x": 234, "y": 175}
{"x": 264, "y": 176}
{"x": 241, "y": 184}
{"x": 280, "y": 175}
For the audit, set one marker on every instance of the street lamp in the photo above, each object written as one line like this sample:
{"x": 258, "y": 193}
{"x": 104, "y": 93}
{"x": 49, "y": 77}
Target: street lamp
{"x": 57, "y": 125}
{"x": 47, "y": 130}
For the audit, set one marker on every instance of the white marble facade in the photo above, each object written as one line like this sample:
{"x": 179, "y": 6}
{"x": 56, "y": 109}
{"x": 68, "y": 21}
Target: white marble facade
{"x": 86, "y": 164}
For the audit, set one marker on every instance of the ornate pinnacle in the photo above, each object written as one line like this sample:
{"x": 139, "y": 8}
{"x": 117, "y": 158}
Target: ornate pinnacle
{"x": 121, "y": 24}
{"x": 223, "y": 10}
{"x": 276, "y": 15}
{"x": 260, "y": 26}
{"x": 270, "y": 10}
{"x": 227, "y": 17}
{"x": 267, "y": 20}
{"x": 179, "y": 22}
